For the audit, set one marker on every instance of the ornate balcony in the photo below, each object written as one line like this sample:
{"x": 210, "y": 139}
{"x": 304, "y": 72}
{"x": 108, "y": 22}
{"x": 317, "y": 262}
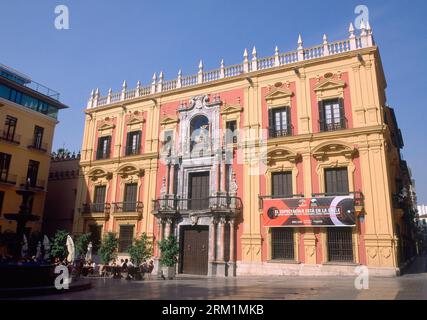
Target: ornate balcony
{"x": 276, "y": 133}
{"x": 218, "y": 203}
{"x": 128, "y": 208}
{"x": 100, "y": 210}
{"x": 334, "y": 125}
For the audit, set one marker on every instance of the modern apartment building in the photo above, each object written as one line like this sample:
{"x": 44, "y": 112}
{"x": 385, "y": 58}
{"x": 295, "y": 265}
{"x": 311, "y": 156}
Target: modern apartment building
{"x": 28, "y": 116}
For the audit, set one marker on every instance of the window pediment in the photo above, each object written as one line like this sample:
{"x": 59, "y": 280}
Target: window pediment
{"x": 230, "y": 109}
{"x": 279, "y": 96}
{"x": 281, "y": 154}
{"x": 135, "y": 118}
{"x": 98, "y": 173}
{"x": 334, "y": 149}
{"x": 167, "y": 120}
{"x": 106, "y": 124}
{"x": 329, "y": 84}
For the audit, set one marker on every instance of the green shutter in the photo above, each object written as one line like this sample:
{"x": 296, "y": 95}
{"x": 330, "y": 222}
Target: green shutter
{"x": 322, "y": 121}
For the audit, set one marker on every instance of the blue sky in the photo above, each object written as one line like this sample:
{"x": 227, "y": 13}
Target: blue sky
{"x": 110, "y": 41}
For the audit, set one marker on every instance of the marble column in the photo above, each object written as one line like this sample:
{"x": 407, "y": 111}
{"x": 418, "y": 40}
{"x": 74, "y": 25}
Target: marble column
{"x": 168, "y": 228}
{"x": 221, "y": 239}
{"x": 232, "y": 240}
{"x": 212, "y": 240}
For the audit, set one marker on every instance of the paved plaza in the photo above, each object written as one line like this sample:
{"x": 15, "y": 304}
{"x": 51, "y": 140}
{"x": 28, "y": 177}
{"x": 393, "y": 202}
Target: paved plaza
{"x": 412, "y": 285}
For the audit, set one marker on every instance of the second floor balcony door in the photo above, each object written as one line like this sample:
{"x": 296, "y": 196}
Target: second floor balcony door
{"x": 198, "y": 191}
{"x": 281, "y": 184}
{"x": 336, "y": 181}
{"x": 99, "y": 199}
{"x": 129, "y": 199}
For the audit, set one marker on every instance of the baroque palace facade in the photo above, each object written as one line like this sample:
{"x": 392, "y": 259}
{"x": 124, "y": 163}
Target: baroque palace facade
{"x": 288, "y": 164}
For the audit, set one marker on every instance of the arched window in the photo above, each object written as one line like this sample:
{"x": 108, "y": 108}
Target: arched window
{"x": 199, "y": 134}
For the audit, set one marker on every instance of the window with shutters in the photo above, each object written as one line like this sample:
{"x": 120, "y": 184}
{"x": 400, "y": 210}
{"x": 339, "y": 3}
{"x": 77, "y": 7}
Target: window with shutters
{"x": 1, "y": 201}
{"x": 331, "y": 115}
{"x": 125, "y": 237}
{"x": 104, "y": 146}
{"x": 280, "y": 122}
{"x": 281, "y": 184}
{"x": 282, "y": 244}
{"x": 130, "y": 195}
{"x": 32, "y": 172}
{"x": 231, "y": 132}
{"x": 133, "y": 143}
{"x": 99, "y": 199}
{"x": 38, "y": 138}
{"x": 4, "y": 166}
{"x": 95, "y": 236}
{"x": 9, "y": 128}
{"x": 336, "y": 181}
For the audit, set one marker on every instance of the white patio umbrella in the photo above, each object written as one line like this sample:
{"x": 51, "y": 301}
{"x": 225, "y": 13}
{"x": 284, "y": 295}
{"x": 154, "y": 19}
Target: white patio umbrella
{"x": 46, "y": 246}
{"x": 24, "y": 248}
{"x": 70, "y": 249}
{"x": 88, "y": 256}
{"x": 39, "y": 251}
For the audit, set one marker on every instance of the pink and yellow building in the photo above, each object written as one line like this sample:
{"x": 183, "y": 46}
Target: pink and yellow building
{"x": 288, "y": 164}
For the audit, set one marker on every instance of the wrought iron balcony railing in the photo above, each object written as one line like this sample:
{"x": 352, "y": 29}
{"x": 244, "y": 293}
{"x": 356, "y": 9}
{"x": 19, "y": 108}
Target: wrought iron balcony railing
{"x": 11, "y": 138}
{"x": 96, "y": 208}
{"x": 128, "y": 206}
{"x": 219, "y": 202}
{"x": 33, "y": 183}
{"x": 333, "y": 124}
{"x": 8, "y": 178}
{"x": 42, "y": 147}
{"x": 100, "y": 155}
{"x": 358, "y": 196}
{"x": 132, "y": 151}
{"x": 276, "y": 133}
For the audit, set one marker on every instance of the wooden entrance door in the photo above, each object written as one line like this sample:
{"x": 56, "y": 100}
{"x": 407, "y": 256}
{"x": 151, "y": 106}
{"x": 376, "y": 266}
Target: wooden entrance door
{"x": 198, "y": 191}
{"x": 194, "y": 250}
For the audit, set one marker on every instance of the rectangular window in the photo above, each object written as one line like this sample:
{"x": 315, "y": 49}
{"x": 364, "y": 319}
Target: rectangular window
{"x": 125, "y": 237}
{"x": 32, "y": 172}
{"x": 133, "y": 143}
{"x": 332, "y": 115}
{"x": 281, "y": 184}
{"x": 336, "y": 181}
{"x": 280, "y": 122}
{"x": 1, "y": 201}
{"x": 340, "y": 244}
{"x": 104, "y": 146}
{"x": 282, "y": 244}
{"x": 95, "y": 236}
{"x": 167, "y": 141}
{"x": 231, "y": 132}
{"x": 4, "y": 166}
{"x": 130, "y": 196}
{"x": 99, "y": 199}
{"x": 38, "y": 137}
{"x": 9, "y": 128}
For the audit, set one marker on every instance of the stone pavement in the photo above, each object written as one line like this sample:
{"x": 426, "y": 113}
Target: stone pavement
{"x": 412, "y": 285}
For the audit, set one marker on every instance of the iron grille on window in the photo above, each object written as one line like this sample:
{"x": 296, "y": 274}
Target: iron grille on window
{"x": 104, "y": 145}
{"x": 282, "y": 244}
{"x": 280, "y": 122}
{"x": 340, "y": 245}
{"x": 125, "y": 237}
{"x": 331, "y": 115}
{"x": 133, "y": 143}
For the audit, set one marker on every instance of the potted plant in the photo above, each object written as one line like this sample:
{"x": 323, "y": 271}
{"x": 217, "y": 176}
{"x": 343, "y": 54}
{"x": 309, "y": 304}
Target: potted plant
{"x": 82, "y": 243}
{"x": 107, "y": 250}
{"x": 139, "y": 252}
{"x": 169, "y": 250}
{"x": 58, "y": 249}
